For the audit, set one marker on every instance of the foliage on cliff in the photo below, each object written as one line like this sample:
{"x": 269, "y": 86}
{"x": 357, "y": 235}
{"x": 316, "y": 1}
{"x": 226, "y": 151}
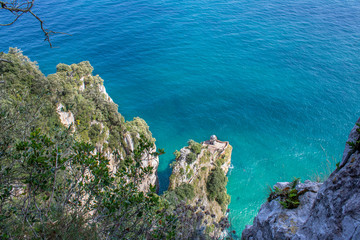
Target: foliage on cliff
{"x": 199, "y": 173}
{"x": 216, "y": 187}
{"x": 55, "y": 182}
{"x": 97, "y": 119}
{"x": 57, "y": 188}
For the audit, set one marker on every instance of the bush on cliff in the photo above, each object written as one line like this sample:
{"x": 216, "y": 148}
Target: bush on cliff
{"x": 190, "y": 158}
{"x": 216, "y": 187}
{"x": 53, "y": 186}
{"x": 195, "y": 147}
{"x": 56, "y": 188}
{"x": 185, "y": 191}
{"x": 177, "y": 154}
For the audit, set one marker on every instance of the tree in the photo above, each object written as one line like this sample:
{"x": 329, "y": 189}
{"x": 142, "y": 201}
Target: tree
{"x": 57, "y": 188}
{"x": 18, "y": 9}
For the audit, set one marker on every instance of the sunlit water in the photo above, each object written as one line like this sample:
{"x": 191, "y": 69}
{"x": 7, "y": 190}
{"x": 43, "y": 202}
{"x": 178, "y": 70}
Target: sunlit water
{"x": 277, "y": 79}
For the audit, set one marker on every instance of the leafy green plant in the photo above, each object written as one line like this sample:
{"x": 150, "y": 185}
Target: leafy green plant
{"x": 190, "y": 158}
{"x": 288, "y": 197}
{"x": 94, "y": 133}
{"x": 216, "y": 187}
{"x": 60, "y": 185}
{"x": 355, "y": 145}
{"x": 338, "y": 165}
{"x": 185, "y": 191}
{"x": 190, "y": 173}
{"x": 194, "y": 146}
{"x": 220, "y": 161}
{"x": 177, "y": 154}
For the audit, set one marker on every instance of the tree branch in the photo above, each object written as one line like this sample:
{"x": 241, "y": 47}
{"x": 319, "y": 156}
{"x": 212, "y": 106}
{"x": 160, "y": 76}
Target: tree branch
{"x": 19, "y": 9}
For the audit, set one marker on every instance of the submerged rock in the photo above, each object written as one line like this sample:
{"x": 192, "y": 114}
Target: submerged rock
{"x": 330, "y": 211}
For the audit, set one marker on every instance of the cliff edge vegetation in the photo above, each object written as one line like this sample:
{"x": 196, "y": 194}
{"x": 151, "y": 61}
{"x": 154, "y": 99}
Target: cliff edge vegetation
{"x": 199, "y": 178}
{"x": 71, "y": 167}
{"x": 74, "y": 99}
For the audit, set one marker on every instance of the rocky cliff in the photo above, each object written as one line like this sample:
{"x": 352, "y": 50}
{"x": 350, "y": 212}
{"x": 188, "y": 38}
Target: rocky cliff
{"x": 326, "y": 211}
{"x": 199, "y": 172}
{"x": 76, "y": 99}
{"x": 107, "y": 131}
{"x": 56, "y": 125}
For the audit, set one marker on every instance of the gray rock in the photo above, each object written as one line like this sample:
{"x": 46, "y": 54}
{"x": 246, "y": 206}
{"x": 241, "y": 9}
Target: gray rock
{"x": 331, "y": 213}
{"x": 275, "y": 222}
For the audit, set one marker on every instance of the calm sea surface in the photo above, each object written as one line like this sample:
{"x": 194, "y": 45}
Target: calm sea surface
{"x": 278, "y": 79}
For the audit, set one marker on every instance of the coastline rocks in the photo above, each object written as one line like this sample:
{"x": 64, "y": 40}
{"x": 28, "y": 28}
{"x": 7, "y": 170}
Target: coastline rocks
{"x": 336, "y": 210}
{"x": 275, "y": 222}
{"x": 332, "y": 213}
{"x": 191, "y": 178}
{"x": 101, "y": 123}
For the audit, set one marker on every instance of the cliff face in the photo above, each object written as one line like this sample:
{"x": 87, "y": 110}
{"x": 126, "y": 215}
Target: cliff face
{"x": 199, "y": 172}
{"x": 74, "y": 98}
{"x": 329, "y": 211}
{"x": 101, "y": 123}
{"x": 50, "y": 167}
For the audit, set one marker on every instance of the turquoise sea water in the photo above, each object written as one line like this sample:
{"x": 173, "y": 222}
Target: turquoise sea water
{"x": 277, "y": 79}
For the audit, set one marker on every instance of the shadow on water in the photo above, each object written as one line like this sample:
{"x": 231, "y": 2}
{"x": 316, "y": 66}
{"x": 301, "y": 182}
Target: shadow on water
{"x": 164, "y": 176}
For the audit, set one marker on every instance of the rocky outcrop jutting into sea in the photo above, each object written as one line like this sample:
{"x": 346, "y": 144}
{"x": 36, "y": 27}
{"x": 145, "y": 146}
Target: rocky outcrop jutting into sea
{"x": 199, "y": 172}
{"x": 98, "y": 120}
{"x": 327, "y": 211}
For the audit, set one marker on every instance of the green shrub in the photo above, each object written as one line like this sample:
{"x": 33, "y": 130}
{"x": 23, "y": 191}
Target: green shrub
{"x": 216, "y": 187}
{"x": 61, "y": 173}
{"x": 190, "y": 158}
{"x": 288, "y": 197}
{"x": 190, "y": 173}
{"x": 194, "y": 146}
{"x": 94, "y": 133}
{"x": 185, "y": 191}
{"x": 61, "y": 67}
{"x": 177, "y": 154}
{"x": 205, "y": 158}
{"x": 220, "y": 161}
{"x": 355, "y": 145}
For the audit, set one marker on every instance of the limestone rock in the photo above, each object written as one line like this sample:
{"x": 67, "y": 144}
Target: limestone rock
{"x": 102, "y": 89}
{"x": 126, "y": 138}
{"x": 331, "y": 213}
{"x": 275, "y": 222}
{"x": 82, "y": 86}
{"x": 336, "y": 210}
{"x": 213, "y": 154}
{"x": 66, "y": 118}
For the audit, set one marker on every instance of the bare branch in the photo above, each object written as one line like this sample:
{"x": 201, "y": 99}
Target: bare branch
{"x": 11, "y": 23}
{"x": 47, "y": 32}
{"x": 19, "y": 9}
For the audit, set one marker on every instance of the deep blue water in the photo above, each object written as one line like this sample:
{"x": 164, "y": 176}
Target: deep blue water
{"x": 278, "y": 79}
